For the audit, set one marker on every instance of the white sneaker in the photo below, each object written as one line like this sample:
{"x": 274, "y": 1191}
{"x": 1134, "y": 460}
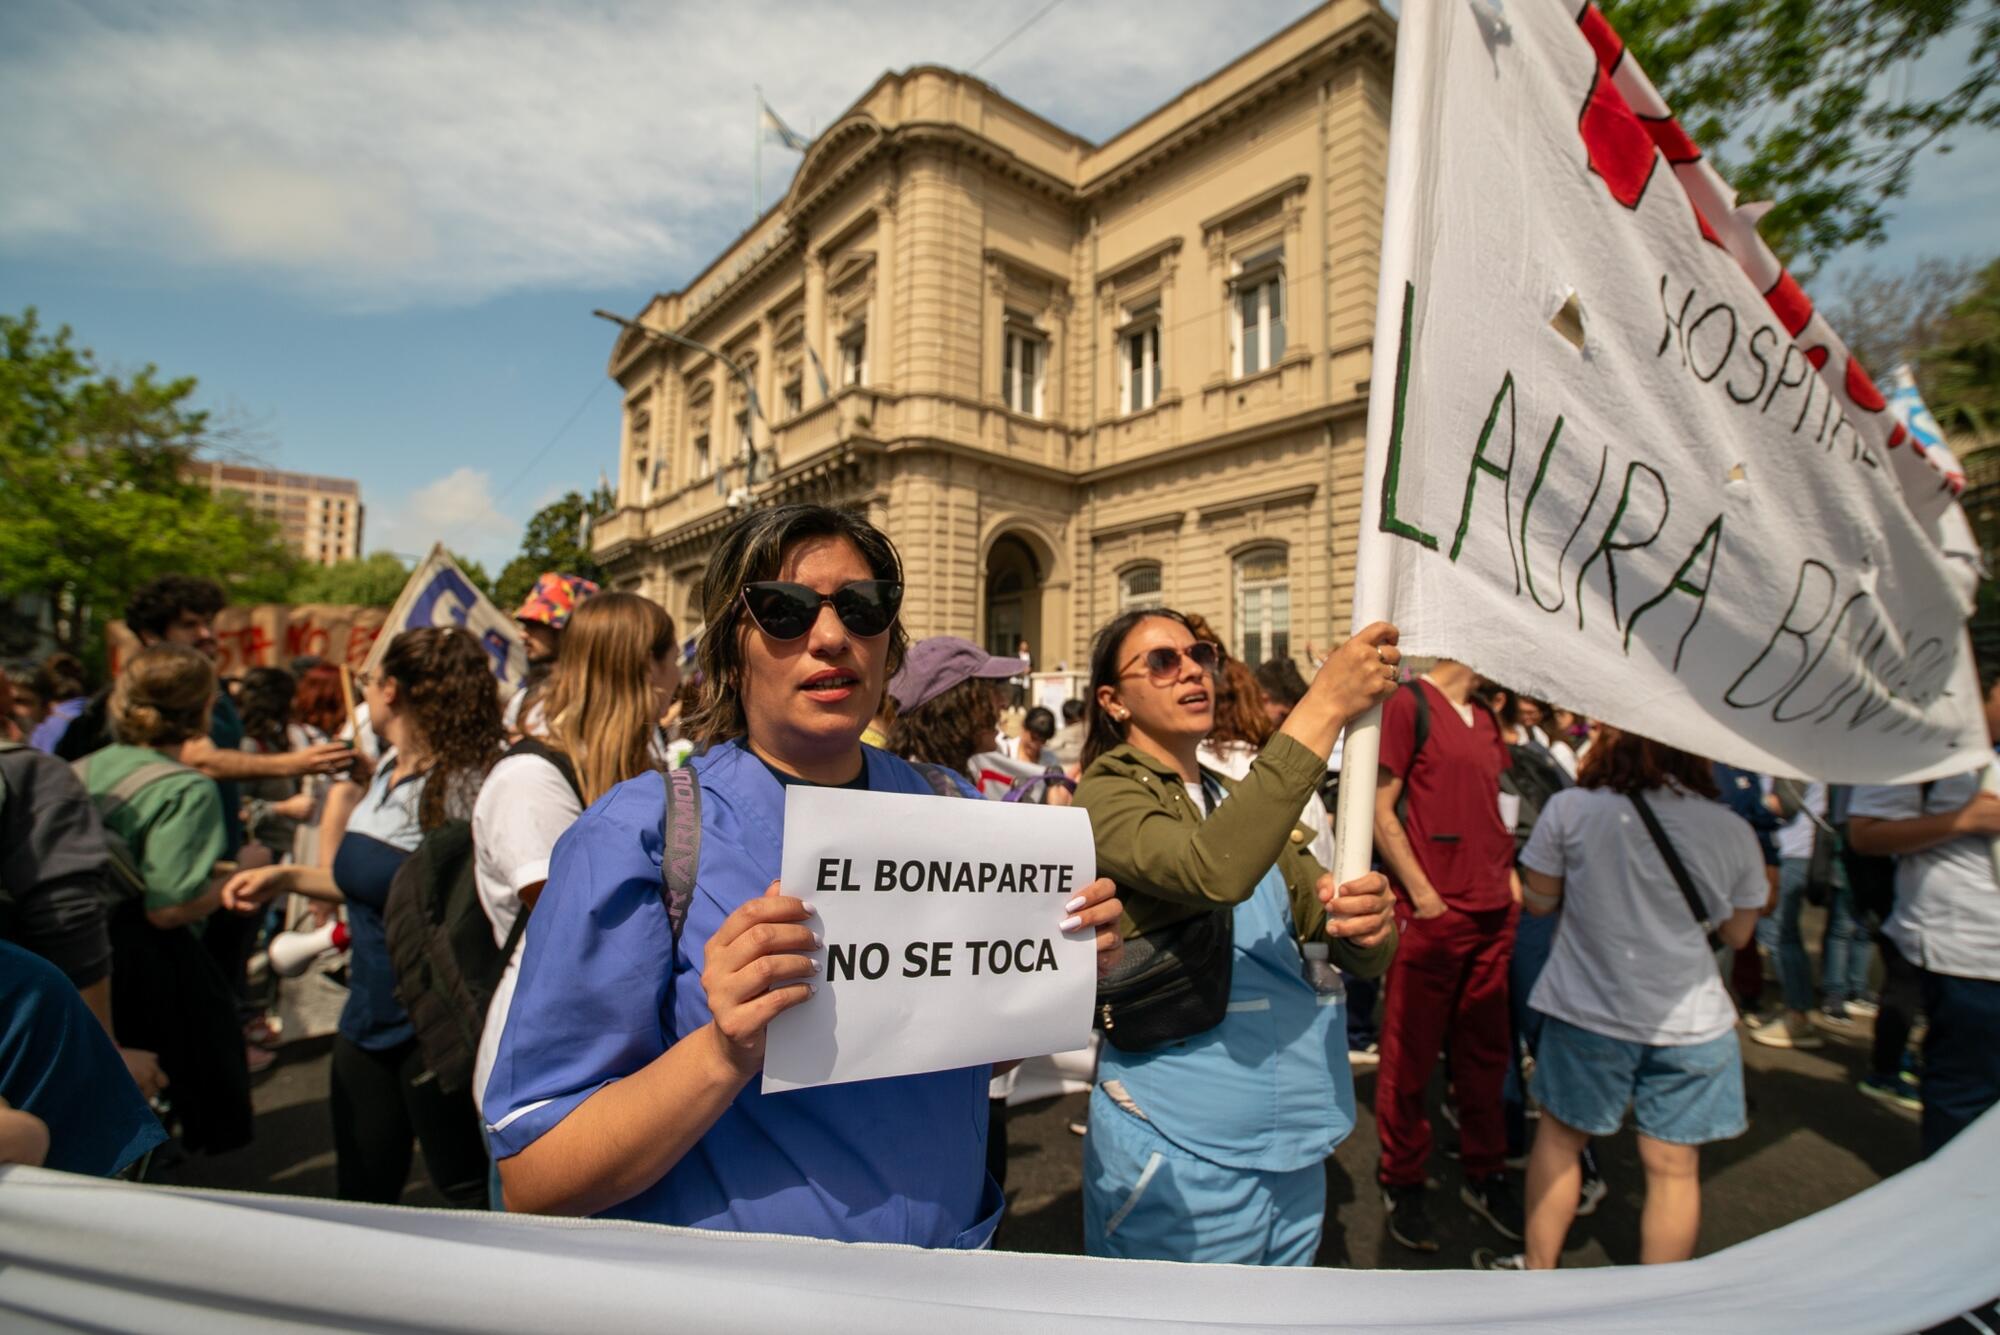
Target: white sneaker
{"x": 1365, "y": 1058}
{"x": 1788, "y": 1032}
{"x": 1484, "y": 1258}
{"x": 1593, "y": 1194}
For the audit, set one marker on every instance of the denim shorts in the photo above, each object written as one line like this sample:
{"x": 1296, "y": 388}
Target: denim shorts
{"x": 1688, "y": 1095}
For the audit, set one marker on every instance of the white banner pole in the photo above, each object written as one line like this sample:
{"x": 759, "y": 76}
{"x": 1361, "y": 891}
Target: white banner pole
{"x": 1354, "y": 816}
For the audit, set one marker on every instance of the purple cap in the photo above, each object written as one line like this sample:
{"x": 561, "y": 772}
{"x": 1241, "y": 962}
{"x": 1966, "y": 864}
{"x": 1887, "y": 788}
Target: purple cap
{"x": 934, "y": 666}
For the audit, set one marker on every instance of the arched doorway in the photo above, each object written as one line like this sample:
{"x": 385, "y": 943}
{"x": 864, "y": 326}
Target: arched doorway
{"x": 1013, "y": 597}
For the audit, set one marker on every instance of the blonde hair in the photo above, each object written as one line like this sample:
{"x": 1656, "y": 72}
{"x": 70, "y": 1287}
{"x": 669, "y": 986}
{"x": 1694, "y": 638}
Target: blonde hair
{"x": 599, "y": 704}
{"x": 163, "y": 696}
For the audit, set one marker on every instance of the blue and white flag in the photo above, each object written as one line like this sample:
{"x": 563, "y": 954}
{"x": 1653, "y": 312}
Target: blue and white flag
{"x": 1909, "y": 407}
{"x": 775, "y": 129}
{"x": 439, "y": 594}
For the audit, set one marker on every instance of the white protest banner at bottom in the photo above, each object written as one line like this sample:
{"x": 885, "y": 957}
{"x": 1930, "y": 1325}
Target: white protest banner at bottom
{"x": 941, "y": 928}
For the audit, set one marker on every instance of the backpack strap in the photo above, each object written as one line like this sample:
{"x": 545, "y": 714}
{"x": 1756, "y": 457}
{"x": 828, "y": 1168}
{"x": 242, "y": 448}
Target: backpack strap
{"x": 1679, "y": 870}
{"x": 535, "y": 746}
{"x": 132, "y": 784}
{"x": 680, "y": 846}
{"x": 1018, "y": 790}
{"x": 1420, "y": 732}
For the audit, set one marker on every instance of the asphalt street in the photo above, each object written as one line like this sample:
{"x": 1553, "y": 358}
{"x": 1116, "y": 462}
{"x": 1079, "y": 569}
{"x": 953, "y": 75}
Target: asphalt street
{"x": 1813, "y": 1141}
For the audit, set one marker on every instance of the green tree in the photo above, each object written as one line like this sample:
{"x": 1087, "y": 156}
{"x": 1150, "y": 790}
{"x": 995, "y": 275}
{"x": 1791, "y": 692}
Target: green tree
{"x": 370, "y": 581}
{"x": 1798, "y": 101}
{"x": 1891, "y": 317}
{"x": 558, "y": 539}
{"x": 93, "y": 501}
{"x": 1960, "y": 372}
{"x": 476, "y": 572}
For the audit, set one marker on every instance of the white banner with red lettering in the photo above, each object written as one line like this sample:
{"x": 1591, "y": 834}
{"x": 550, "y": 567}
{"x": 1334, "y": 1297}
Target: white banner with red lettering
{"x": 1617, "y": 458}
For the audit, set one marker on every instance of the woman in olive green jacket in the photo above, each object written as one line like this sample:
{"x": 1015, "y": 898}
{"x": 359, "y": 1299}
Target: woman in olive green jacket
{"x": 1209, "y": 1147}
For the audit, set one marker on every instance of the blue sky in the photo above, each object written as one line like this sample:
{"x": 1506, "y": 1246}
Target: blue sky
{"x": 375, "y": 232}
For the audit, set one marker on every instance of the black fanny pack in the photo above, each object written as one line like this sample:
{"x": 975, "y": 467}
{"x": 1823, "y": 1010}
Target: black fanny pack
{"x": 1170, "y": 984}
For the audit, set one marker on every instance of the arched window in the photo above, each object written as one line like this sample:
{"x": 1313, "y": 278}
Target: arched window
{"x": 1139, "y": 587}
{"x": 1263, "y": 605}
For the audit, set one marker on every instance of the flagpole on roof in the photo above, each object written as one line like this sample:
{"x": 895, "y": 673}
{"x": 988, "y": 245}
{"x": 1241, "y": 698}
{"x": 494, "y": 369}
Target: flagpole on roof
{"x": 757, "y": 154}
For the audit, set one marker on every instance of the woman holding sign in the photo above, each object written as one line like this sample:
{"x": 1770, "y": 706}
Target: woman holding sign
{"x": 1223, "y": 1083}
{"x": 624, "y": 1081}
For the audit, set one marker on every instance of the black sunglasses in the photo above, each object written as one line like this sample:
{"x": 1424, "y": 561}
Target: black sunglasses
{"x": 1164, "y": 663}
{"x": 785, "y": 611}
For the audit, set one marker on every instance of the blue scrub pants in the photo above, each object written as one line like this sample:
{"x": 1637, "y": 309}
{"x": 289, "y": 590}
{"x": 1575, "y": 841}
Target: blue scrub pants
{"x": 1147, "y": 1199}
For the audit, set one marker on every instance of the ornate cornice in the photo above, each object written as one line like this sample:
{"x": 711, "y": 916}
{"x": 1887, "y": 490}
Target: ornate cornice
{"x": 1373, "y": 34}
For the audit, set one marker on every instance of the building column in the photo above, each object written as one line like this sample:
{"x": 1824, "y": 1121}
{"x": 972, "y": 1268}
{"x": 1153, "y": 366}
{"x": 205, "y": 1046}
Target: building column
{"x": 815, "y": 326}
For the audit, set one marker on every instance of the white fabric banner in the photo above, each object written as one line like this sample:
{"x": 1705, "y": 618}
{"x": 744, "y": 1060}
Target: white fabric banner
{"x": 1625, "y": 464}
{"x": 439, "y": 594}
{"x": 941, "y": 930}
{"x": 82, "y": 1254}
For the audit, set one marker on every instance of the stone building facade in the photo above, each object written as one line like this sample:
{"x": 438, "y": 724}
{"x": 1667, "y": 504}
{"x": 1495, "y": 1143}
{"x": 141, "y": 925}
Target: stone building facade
{"x": 1065, "y": 377}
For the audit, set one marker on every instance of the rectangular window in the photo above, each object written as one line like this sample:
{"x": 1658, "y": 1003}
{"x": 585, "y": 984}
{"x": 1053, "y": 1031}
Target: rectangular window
{"x": 1263, "y": 606}
{"x": 854, "y": 356}
{"x": 1139, "y": 587}
{"x": 1023, "y": 360}
{"x": 743, "y": 430}
{"x": 1259, "y": 313}
{"x": 1139, "y": 360}
{"x": 795, "y": 397}
{"x": 703, "y": 464}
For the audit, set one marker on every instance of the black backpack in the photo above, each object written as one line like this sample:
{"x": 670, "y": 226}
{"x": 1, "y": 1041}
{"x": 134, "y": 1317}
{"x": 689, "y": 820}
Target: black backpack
{"x": 1534, "y": 777}
{"x": 441, "y": 941}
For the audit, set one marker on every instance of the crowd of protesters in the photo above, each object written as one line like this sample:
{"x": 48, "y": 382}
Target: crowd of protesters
{"x": 1575, "y": 921}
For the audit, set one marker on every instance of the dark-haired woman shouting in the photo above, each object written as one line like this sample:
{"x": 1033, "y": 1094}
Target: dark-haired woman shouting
{"x": 1209, "y": 1128}
{"x": 623, "y": 1084}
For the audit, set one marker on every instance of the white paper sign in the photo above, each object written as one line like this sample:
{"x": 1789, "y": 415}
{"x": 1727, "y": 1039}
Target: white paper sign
{"x": 940, "y": 922}
{"x": 1621, "y": 460}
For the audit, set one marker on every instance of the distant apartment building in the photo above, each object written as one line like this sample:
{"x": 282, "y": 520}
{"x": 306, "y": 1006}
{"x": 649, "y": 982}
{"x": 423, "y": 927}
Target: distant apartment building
{"x": 320, "y": 517}
{"x": 1066, "y": 377}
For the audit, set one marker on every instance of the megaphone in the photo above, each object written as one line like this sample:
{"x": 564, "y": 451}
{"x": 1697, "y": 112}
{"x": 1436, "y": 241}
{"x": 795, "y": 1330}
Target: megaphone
{"x": 292, "y": 953}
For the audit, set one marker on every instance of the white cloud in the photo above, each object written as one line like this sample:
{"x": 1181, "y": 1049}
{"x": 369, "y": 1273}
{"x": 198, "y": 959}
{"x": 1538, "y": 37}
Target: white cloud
{"x": 444, "y": 151}
{"x": 458, "y": 510}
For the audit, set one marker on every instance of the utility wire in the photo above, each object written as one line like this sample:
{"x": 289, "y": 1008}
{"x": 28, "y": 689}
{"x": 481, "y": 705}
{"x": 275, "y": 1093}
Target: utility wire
{"x": 529, "y": 467}
{"x": 1035, "y": 18}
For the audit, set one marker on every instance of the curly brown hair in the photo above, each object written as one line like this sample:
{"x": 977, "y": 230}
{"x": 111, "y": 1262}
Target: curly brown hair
{"x": 945, "y": 731}
{"x": 1239, "y": 707}
{"x": 1627, "y": 763}
{"x": 451, "y": 698}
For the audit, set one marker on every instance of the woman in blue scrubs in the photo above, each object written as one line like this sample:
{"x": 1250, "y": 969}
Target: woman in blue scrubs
{"x": 624, "y": 1085}
{"x": 1209, "y": 1144}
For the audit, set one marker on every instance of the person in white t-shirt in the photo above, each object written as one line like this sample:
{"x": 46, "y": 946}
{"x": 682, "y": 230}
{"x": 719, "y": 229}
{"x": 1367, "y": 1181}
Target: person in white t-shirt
{"x": 1637, "y": 1016}
{"x": 1947, "y": 923}
{"x": 599, "y": 726}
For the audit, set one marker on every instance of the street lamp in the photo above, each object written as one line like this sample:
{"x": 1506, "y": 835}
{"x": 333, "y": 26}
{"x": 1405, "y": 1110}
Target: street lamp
{"x": 756, "y": 408}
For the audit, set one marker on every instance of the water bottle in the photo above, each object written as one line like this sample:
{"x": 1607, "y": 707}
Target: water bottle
{"x": 1325, "y": 979}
